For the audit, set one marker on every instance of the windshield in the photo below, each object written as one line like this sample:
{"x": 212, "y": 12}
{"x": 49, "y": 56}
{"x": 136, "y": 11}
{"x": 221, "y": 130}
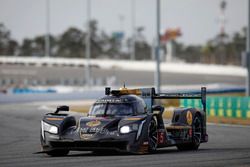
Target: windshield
{"x": 111, "y": 109}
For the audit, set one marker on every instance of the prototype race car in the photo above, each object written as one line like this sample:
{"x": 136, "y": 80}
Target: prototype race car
{"x": 125, "y": 120}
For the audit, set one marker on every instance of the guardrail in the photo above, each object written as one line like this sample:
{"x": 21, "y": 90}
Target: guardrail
{"x": 220, "y": 106}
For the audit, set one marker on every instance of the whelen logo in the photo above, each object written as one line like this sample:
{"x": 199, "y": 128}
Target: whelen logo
{"x": 93, "y": 123}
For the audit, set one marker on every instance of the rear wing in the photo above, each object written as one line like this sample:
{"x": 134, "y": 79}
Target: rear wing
{"x": 201, "y": 96}
{"x": 149, "y": 95}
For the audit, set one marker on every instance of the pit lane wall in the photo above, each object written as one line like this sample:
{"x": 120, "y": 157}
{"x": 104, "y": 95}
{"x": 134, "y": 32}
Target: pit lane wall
{"x": 223, "y": 106}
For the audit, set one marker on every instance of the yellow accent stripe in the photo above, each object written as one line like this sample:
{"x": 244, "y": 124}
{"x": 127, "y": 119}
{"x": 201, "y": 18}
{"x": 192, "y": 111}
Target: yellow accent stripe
{"x": 125, "y": 91}
{"x": 54, "y": 119}
{"x": 133, "y": 119}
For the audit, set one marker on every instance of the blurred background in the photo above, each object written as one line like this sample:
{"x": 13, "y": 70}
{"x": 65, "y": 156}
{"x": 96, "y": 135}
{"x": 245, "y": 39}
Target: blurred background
{"x": 50, "y": 47}
{"x": 92, "y": 43}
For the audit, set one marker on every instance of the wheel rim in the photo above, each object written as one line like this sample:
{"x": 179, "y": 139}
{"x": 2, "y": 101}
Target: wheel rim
{"x": 197, "y": 130}
{"x": 152, "y": 135}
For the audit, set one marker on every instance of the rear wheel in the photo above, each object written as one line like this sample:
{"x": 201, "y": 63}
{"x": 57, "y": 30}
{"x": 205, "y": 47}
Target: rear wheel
{"x": 58, "y": 153}
{"x": 152, "y": 136}
{"x": 197, "y": 131}
{"x": 196, "y": 135}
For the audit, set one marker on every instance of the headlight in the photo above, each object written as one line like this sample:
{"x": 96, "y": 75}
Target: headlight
{"x": 125, "y": 129}
{"x": 129, "y": 128}
{"x": 49, "y": 128}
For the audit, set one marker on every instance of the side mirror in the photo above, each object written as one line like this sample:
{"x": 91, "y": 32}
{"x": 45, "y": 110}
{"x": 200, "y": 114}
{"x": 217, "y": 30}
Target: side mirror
{"x": 61, "y": 108}
{"x": 158, "y": 108}
{"x": 107, "y": 91}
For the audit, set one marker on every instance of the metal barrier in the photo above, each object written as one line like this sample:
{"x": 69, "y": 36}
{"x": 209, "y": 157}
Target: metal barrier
{"x": 220, "y": 106}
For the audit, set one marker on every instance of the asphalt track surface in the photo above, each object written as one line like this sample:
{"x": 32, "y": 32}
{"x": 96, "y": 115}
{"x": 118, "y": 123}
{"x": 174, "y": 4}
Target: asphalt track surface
{"x": 19, "y": 140}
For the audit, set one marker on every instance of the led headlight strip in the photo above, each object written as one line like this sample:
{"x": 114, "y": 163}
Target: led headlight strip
{"x": 129, "y": 128}
{"x": 132, "y": 127}
{"x": 140, "y": 130}
{"x": 48, "y": 128}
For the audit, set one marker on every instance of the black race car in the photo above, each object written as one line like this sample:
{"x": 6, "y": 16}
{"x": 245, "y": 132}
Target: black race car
{"x": 125, "y": 120}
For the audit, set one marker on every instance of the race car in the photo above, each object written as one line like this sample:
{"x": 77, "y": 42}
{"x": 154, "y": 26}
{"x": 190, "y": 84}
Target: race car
{"x": 125, "y": 120}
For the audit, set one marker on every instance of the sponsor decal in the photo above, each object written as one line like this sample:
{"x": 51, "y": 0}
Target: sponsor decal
{"x": 93, "y": 123}
{"x": 86, "y": 136}
{"x": 111, "y": 100}
{"x": 161, "y": 137}
{"x": 189, "y": 117}
{"x": 95, "y": 130}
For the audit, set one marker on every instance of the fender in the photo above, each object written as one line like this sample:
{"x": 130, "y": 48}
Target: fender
{"x": 62, "y": 121}
{"x": 185, "y": 116}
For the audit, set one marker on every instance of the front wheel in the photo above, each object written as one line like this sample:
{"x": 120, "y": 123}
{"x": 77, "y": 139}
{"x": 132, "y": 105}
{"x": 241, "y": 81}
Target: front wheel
{"x": 152, "y": 136}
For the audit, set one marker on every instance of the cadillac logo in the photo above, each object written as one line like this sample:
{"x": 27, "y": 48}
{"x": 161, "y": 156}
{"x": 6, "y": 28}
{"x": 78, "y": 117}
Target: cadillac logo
{"x": 93, "y": 123}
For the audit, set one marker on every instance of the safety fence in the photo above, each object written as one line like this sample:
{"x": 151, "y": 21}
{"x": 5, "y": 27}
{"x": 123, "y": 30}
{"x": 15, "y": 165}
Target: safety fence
{"x": 219, "y": 106}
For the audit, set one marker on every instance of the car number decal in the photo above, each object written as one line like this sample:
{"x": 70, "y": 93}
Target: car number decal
{"x": 189, "y": 117}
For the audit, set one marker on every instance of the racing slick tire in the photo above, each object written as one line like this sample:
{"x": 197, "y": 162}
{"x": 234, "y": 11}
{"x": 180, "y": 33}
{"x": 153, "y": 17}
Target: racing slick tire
{"x": 152, "y": 136}
{"x": 58, "y": 153}
{"x": 196, "y": 135}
